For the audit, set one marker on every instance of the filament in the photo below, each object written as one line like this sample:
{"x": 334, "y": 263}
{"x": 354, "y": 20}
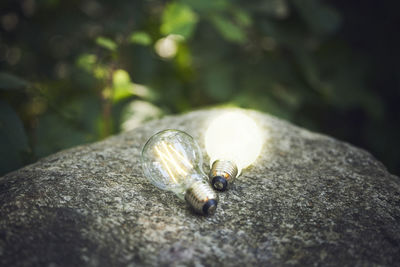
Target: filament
{"x": 172, "y": 160}
{"x": 181, "y": 157}
{"x": 165, "y": 164}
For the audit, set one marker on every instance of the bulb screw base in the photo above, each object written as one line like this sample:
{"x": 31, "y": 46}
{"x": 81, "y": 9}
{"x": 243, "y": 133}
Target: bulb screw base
{"x": 202, "y": 198}
{"x": 222, "y": 174}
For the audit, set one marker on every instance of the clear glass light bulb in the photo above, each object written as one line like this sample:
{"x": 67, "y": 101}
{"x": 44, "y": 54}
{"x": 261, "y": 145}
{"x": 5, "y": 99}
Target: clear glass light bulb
{"x": 233, "y": 142}
{"x": 172, "y": 161}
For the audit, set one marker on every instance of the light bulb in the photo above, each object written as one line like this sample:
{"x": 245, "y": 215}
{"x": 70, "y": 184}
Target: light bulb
{"x": 233, "y": 142}
{"x": 172, "y": 161}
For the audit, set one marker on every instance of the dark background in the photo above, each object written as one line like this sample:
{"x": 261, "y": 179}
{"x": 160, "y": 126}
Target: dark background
{"x": 73, "y": 72}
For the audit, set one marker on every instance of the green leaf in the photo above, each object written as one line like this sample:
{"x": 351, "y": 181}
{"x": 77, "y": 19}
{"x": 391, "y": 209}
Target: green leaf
{"x": 141, "y": 38}
{"x": 178, "y": 19}
{"x": 86, "y": 62}
{"x": 228, "y": 29}
{"x": 184, "y": 59}
{"x": 13, "y": 140}
{"x": 106, "y": 43}
{"x": 10, "y": 82}
{"x": 242, "y": 17}
{"x": 121, "y": 78}
{"x": 122, "y": 85}
{"x": 144, "y": 92}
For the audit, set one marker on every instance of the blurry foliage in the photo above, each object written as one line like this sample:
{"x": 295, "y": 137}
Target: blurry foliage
{"x": 77, "y": 71}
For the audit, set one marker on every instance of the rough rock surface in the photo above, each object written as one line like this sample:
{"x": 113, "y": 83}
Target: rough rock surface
{"x": 308, "y": 200}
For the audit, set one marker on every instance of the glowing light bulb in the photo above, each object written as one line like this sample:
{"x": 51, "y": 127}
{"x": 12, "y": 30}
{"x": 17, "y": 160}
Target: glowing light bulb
{"x": 172, "y": 161}
{"x": 233, "y": 142}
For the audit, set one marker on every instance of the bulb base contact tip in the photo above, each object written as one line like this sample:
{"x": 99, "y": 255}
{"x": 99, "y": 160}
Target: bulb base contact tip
{"x": 210, "y": 206}
{"x": 202, "y": 198}
{"x": 222, "y": 174}
{"x": 219, "y": 183}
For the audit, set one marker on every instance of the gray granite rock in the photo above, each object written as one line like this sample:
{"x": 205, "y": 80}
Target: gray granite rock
{"x": 308, "y": 200}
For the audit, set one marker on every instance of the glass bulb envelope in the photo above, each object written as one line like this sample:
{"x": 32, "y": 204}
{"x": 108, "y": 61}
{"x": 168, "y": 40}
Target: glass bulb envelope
{"x": 172, "y": 161}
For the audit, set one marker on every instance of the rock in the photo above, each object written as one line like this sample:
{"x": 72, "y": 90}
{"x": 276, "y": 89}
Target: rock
{"x": 308, "y": 200}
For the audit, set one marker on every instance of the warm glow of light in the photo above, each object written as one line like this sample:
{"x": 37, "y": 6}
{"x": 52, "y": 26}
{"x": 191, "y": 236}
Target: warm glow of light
{"x": 235, "y": 137}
